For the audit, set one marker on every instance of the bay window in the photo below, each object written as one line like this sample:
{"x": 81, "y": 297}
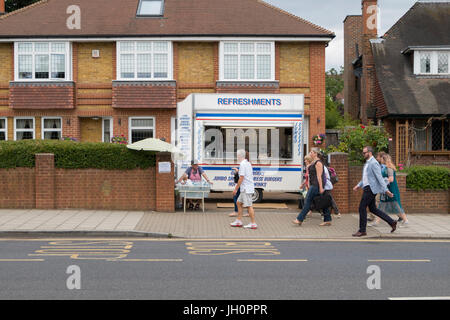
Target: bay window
{"x": 42, "y": 61}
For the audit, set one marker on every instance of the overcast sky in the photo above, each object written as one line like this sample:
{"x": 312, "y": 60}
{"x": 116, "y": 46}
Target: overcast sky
{"x": 330, "y": 14}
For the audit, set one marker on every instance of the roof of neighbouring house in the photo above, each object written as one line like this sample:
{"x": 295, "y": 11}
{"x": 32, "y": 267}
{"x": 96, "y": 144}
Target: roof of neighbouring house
{"x": 112, "y": 18}
{"x": 424, "y": 25}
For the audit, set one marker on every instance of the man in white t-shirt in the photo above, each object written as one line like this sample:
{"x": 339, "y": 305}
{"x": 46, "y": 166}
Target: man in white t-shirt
{"x": 247, "y": 188}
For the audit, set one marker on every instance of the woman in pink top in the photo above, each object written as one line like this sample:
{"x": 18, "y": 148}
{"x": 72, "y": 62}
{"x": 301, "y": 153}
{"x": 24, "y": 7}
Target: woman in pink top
{"x": 194, "y": 173}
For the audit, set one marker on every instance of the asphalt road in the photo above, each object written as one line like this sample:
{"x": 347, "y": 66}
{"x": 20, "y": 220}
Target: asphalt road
{"x": 222, "y": 270}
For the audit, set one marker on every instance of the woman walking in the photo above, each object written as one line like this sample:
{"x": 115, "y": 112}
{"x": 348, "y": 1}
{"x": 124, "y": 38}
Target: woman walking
{"x": 317, "y": 182}
{"x": 387, "y": 204}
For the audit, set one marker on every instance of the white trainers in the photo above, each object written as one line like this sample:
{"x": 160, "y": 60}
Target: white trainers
{"x": 404, "y": 224}
{"x": 374, "y": 224}
{"x": 237, "y": 223}
{"x": 251, "y": 226}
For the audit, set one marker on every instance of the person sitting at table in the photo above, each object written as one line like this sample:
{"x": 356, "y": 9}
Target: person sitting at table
{"x": 195, "y": 174}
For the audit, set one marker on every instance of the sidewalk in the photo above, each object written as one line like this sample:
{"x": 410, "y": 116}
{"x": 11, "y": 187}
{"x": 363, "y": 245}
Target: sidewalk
{"x": 213, "y": 224}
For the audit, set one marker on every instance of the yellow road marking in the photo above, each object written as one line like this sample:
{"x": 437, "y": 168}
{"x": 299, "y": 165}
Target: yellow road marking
{"x": 395, "y": 260}
{"x": 21, "y": 260}
{"x": 147, "y": 260}
{"x": 272, "y": 260}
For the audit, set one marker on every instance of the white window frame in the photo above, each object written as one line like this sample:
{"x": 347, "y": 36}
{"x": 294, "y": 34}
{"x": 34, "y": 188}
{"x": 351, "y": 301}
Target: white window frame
{"x": 222, "y": 64}
{"x": 111, "y": 124}
{"x": 130, "y": 128}
{"x": 24, "y": 130}
{"x": 161, "y": 13}
{"x": 68, "y": 62}
{"x": 434, "y": 62}
{"x": 6, "y": 128}
{"x": 43, "y": 130}
{"x": 169, "y": 61}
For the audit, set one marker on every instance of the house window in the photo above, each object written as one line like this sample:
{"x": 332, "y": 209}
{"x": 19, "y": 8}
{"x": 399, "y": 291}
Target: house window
{"x": 42, "y": 61}
{"x": 51, "y": 128}
{"x": 435, "y": 137}
{"x": 431, "y": 62}
{"x": 3, "y": 129}
{"x": 107, "y": 129}
{"x": 247, "y": 61}
{"x": 443, "y": 62}
{"x": 425, "y": 62}
{"x": 141, "y": 128}
{"x": 23, "y": 128}
{"x": 151, "y": 8}
{"x": 144, "y": 60}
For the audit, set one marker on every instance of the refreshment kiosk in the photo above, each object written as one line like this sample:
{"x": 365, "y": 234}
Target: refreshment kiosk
{"x": 212, "y": 127}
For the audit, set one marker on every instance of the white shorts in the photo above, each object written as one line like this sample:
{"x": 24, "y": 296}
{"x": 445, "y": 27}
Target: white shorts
{"x": 245, "y": 199}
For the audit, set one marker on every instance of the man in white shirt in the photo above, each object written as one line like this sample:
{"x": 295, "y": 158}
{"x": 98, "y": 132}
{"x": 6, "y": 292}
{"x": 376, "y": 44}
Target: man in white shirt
{"x": 247, "y": 188}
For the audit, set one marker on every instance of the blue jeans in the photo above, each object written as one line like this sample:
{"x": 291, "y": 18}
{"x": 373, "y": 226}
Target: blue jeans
{"x": 235, "y": 199}
{"x": 313, "y": 192}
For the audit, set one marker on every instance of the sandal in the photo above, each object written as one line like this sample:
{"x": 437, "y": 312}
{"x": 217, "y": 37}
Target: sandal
{"x": 325, "y": 224}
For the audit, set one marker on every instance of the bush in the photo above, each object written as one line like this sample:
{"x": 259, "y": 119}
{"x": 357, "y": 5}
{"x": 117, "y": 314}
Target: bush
{"x": 74, "y": 155}
{"x": 427, "y": 178}
{"x": 353, "y": 140}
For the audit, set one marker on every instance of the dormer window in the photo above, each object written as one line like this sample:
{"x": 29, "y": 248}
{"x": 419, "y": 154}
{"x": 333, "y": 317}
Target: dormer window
{"x": 150, "y": 8}
{"x": 432, "y": 62}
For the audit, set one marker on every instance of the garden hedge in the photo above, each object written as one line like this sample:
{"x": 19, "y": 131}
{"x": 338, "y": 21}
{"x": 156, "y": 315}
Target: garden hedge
{"x": 428, "y": 178}
{"x": 74, "y": 155}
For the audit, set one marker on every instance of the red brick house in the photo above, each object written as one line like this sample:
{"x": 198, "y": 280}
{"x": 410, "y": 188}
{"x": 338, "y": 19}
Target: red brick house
{"x": 402, "y": 79}
{"x": 97, "y": 69}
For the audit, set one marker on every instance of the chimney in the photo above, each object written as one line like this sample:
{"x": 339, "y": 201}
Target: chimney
{"x": 2, "y": 7}
{"x": 370, "y": 17}
{"x": 369, "y": 31}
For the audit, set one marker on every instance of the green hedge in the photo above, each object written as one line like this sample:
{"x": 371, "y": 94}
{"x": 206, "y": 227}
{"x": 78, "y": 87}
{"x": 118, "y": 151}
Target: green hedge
{"x": 427, "y": 178}
{"x": 74, "y": 155}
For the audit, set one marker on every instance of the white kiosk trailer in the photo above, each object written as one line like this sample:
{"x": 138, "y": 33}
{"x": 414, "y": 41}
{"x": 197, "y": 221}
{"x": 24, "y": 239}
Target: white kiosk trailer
{"x": 212, "y": 127}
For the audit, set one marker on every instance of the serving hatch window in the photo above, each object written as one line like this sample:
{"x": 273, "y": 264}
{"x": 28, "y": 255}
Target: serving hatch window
{"x": 263, "y": 143}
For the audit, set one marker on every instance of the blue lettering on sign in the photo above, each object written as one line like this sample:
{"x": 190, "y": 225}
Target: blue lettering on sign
{"x": 247, "y": 101}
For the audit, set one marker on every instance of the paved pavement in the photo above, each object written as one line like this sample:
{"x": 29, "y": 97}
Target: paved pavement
{"x": 213, "y": 224}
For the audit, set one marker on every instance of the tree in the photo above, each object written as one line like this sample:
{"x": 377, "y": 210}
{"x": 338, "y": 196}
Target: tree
{"x": 334, "y": 82}
{"x": 12, "y": 5}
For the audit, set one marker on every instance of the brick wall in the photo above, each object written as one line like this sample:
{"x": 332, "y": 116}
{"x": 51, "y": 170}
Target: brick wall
{"x": 17, "y": 188}
{"x": 6, "y": 71}
{"x": 423, "y": 201}
{"x": 46, "y": 187}
{"x": 428, "y": 201}
{"x": 317, "y": 92}
{"x": 105, "y": 189}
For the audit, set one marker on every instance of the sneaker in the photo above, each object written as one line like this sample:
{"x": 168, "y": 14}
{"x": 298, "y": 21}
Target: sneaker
{"x": 338, "y": 215}
{"x": 251, "y": 226}
{"x": 374, "y": 224}
{"x": 237, "y": 224}
{"x": 404, "y": 224}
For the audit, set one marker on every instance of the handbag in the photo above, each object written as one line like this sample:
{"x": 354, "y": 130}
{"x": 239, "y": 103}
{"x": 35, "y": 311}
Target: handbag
{"x": 322, "y": 201}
